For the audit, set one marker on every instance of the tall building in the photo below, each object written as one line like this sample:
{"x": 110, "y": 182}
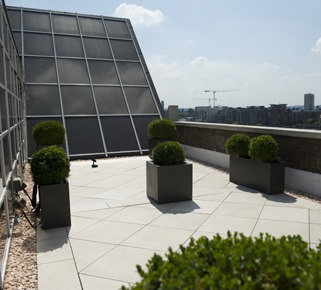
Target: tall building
{"x": 308, "y": 101}
{"x": 87, "y": 72}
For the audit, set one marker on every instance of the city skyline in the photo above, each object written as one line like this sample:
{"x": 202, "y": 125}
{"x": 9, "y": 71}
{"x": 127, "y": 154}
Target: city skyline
{"x": 271, "y": 52}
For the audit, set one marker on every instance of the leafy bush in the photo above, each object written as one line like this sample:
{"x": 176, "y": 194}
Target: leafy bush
{"x": 50, "y": 165}
{"x": 263, "y": 148}
{"x": 161, "y": 129}
{"x": 238, "y": 145}
{"x": 168, "y": 153}
{"x": 49, "y": 133}
{"x": 237, "y": 262}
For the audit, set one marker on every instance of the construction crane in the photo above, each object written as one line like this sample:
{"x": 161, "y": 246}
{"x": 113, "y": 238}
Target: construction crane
{"x": 218, "y": 91}
{"x": 209, "y": 100}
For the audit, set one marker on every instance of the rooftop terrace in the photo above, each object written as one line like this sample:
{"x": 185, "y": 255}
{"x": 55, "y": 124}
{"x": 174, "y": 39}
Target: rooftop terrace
{"x": 115, "y": 226}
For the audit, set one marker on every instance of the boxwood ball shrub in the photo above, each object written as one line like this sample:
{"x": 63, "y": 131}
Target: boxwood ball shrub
{"x": 49, "y": 133}
{"x": 238, "y": 145}
{"x": 168, "y": 153}
{"x": 263, "y": 148}
{"x": 236, "y": 262}
{"x": 49, "y": 165}
{"x": 161, "y": 129}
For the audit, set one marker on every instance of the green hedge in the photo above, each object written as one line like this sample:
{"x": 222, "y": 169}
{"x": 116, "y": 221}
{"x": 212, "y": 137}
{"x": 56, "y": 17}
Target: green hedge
{"x": 168, "y": 153}
{"x": 236, "y": 262}
{"x": 49, "y": 133}
{"x": 161, "y": 129}
{"x": 49, "y": 165}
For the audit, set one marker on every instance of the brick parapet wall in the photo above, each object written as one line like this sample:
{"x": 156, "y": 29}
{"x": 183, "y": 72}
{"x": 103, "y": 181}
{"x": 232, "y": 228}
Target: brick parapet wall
{"x": 299, "y": 149}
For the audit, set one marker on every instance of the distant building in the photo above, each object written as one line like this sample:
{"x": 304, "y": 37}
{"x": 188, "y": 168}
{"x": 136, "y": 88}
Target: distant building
{"x": 308, "y": 101}
{"x": 278, "y": 115}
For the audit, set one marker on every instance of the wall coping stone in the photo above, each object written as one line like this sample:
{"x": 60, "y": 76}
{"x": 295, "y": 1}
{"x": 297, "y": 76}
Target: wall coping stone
{"x": 303, "y": 133}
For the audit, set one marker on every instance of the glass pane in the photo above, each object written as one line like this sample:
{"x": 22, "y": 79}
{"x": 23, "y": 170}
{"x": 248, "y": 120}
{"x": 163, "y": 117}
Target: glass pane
{"x": 14, "y": 18}
{"x": 68, "y": 46}
{"x": 110, "y": 100}
{"x": 84, "y": 135}
{"x": 65, "y": 24}
{"x": 3, "y": 110}
{"x": 31, "y": 122}
{"x": 97, "y": 48}
{"x": 117, "y": 29}
{"x": 90, "y": 26}
{"x": 6, "y": 151}
{"x": 17, "y": 39}
{"x": 77, "y": 100}
{"x": 140, "y": 100}
{"x": 38, "y": 44}
{"x": 119, "y": 134}
{"x": 103, "y": 72}
{"x": 124, "y": 50}
{"x": 73, "y": 71}
{"x": 141, "y": 125}
{"x": 1, "y": 66}
{"x": 40, "y": 70}
{"x": 43, "y": 100}
{"x": 131, "y": 73}
{"x": 36, "y": 21}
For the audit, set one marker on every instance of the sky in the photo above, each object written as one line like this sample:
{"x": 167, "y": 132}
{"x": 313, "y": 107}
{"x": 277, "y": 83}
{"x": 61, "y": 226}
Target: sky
{"x": 260, "y": 52}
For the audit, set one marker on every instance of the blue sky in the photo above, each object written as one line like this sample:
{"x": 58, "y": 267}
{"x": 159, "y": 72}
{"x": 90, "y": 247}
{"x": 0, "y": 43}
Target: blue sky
{"x": 268, "y": 50}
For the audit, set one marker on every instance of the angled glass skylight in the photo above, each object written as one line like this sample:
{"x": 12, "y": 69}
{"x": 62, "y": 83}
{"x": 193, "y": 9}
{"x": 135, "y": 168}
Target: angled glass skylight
{"x": 88, "y": 73}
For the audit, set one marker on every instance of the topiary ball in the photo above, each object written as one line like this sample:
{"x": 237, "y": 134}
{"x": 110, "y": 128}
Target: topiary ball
{"x": 49, "y": 165}
{"x": 263, "y": 148}
{"x": 161, "y": 129}
{"x": 238, "y": 145}
{"x": 168, "y": 153}
{"x": 49, "y": 133}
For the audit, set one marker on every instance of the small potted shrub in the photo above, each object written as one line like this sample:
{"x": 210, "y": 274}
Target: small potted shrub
{"x": 160, "y": 130}
{"x": 169, "y": 178}
{"x": 48, "y": 133}
{"x": 262, "y": 172}
{"x": 235, "y": 262}
{"x": 50, "y": 168}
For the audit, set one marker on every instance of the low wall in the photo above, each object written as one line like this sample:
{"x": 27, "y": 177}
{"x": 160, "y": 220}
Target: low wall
{"x": 300, "y": 150}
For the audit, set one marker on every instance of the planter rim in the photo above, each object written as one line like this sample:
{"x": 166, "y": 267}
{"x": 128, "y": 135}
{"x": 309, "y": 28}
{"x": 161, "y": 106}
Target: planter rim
{"x": 274, "y": 162}
{"x": 151, "y": 161}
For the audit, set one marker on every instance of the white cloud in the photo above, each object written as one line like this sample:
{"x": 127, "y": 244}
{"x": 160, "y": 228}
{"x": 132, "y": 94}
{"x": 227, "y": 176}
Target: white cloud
{"x": 138, "y": 15}
{"x": 317, "y": 47}
{"x": 264, "y": 83}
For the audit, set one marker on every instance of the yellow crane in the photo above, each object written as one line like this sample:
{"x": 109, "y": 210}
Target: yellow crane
{"x": 218, "y": 91}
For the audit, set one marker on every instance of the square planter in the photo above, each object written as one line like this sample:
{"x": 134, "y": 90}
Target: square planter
{"x": 55, "y": 205}
{"x": 262, "y": 176}
{"x": 170, "y": 183}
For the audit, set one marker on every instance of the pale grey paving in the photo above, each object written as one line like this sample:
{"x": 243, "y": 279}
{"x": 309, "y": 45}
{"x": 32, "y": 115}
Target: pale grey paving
{"x": 115, "y": 226}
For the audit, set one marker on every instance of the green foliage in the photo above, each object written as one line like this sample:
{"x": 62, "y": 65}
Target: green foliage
{"x": 236, "y": 262}
{"x": 49, "y": 133}
{"x": 161, "y": 129}
{"x": 168, "y": 153}
{"x": 50, "y": 165}
{"x": 238, "y": 145}
{"x": 263, "y": 148}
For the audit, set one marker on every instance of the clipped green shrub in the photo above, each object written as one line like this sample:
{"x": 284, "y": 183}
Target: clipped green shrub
{"x": 161, "y": 129}
{"x": 49, "y": 165}
{"x": 168, "y": 153}
{"x": 49, "y": 133}
{"x": 263, "y": 148}
{"x": 238, "y": 145}
{"x": 236, "y": 262}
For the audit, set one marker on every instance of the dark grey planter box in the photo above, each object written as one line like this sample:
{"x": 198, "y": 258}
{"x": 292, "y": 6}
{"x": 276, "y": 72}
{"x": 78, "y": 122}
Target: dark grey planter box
{"x": 262, "y": 176}
{"x": 55, "y": 205}
{"x": 152, "y": 143}
{"x": 172, "y": 183}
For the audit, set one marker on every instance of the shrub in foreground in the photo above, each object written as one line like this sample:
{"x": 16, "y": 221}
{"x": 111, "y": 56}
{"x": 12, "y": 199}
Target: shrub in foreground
{"x": 263, "y": 148}
{"x": 236, "y": 262}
